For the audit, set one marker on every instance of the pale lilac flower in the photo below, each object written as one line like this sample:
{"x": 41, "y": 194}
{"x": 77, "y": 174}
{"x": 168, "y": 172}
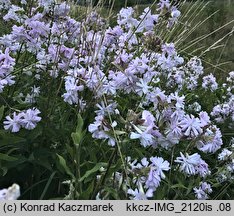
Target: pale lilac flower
{"x": 146, "y": 139}
{"x": 13, "y": 14}
{"x": 204, "y": 118}
{"x": 224, "y": 154}
{"x": 173, "y": 129}
{"x": 5, "y": 4}
{"x": 191, "y": 126}
{"x": 230, "y": 77}
{"x": 164, "y": 4}
{"x": 169, "y": 49}
{"x": 153, "y": 179}
{"x": 178, "y": 99}
{"x": 202, "y": 192}
{"x": 3, "y": 194}
{"x": 211, "y": 140}
{"x": 142, "y": 87}
{"x": 46, "y": 4}
{"x": 13, "y": 124}
{"x": 175, "y": 14}
{"x": 105, "y": 109}
{"x": 72, "y": 88}
{"x": 6, "y": 67}
{"x": 209, "y": 82}
{"x": 160, "y": 165}
{"x": 157, "y": 166}
{"x": 140, "y": 194}
{"x": 195, "y": 66}
{"x": 169, "y": 141}
{"x": 125, "y": 17}
{"x": 61, "y": 9}
{"x": 230, "y": 166}
{"x": 192, "y": 164}
{"x": 148, "y": 21}
{"x": 31, "y": 118}
{"x": 99, "y": 129}
{"x": 11, "y": 193}
{"x": 202, "y": 168}
{"x": 149, "y": 121}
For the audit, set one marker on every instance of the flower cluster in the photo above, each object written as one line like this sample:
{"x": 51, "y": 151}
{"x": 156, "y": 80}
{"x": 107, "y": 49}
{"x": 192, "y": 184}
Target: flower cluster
{"x": 6, "y": 67}
{"x": 226, "y": 156}
{"x": 193, "y": 164}
{"x": 27, "y": 119}
{"x": 147, "y": 176}
{"x": 202, "y": 192}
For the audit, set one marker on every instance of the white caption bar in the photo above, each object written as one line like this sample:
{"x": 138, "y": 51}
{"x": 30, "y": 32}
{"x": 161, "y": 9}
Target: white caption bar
{"x": 117, "y": 207}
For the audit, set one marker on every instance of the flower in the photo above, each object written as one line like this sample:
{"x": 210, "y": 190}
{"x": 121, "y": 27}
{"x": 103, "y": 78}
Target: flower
{"x": 202, "y": 192}
{"x": 191, "y": 126}
{"x": 192, "y": 164}
{"x": 142, "y": 87}
{"x": 209, "y": 82}
{"x": 146, "y": 139}
{"x": 160, "y": 165}
{"x": 148, "y": 21}
{"x": 211, "y": 140}
{"x": 26, "y": 119}
{"x": 157, "y": 166}
{"x": 12, "y": 193}
{"x": 188, "y": 163}
{"x": 13, "y": 124}
{"x": 224, "y": 154}
{"x": 164, "y": 4}
{"x": 30, "y": 118}
{"x": 125, "y": 17}
{"x": 139, "y": 193}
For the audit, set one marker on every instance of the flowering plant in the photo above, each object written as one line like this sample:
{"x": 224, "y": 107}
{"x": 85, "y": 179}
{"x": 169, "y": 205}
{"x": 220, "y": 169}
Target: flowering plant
{"x": 109, "y": 112}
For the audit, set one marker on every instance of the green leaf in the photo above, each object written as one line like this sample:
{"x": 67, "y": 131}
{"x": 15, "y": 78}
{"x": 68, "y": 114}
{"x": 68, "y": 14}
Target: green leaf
{"x": 4, "y": 170}
{"x": 79, "y": 134}
{"x": 112, "y": 192}
{"x": 47, "y": 185}
{"x": 80, "y": 124}
{"x": 76, "y": 137}
{"x": 118, "y": 132}
{"x": 9, "y": 139}
{"x": 1, "y": 112}
{"x": 7, "y": 157}
{"x": 178, "y": 186}
{"x": 64, "y": 166}
{"x": 92, "y": 171}
{"x": 86, "y": 194}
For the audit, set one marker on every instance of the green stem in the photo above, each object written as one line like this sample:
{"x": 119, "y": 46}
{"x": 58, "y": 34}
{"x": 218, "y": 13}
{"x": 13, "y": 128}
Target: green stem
{"x": 103, "y": 178}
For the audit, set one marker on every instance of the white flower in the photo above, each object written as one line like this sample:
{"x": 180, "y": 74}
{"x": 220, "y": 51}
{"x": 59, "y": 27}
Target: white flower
{"x": 12, "y": 193}
{"x": 30, "y": 118}
{"x": 146, "y": 139}
{"x": 189, "y": 163}
{"x": 13, "y": 124}
{"x": 191, "y": 126}
{"x": 139, "y": 193}
{"x": 224, "y": 154}
{"x": 160, "y": 165}
{"x": 142, "y": 87}
{"x": 125, "y": 17}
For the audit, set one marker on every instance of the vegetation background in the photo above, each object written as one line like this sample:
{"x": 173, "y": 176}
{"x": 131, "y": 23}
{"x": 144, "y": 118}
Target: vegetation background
{"x": 219, "y": 59}
{"x": 220, "y": 12}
